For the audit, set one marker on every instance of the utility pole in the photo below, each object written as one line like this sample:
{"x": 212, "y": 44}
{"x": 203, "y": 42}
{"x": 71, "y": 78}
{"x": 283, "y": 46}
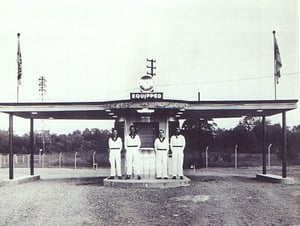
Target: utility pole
{"x": 151, "y": 67}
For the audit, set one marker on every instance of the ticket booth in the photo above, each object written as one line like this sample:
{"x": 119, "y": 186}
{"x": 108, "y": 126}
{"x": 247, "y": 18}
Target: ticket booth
{"x": 147, "y": 126}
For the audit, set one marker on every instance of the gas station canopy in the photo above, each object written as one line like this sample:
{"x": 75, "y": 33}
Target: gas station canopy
{"x": 180, "y": 109}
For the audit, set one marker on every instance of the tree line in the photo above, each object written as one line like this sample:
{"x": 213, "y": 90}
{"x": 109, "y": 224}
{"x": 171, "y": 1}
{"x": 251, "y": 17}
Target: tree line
{"x": 199, "y": 134}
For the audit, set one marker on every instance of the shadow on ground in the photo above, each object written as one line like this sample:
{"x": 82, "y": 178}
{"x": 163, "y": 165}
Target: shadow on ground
{"x": 96, "y": 181}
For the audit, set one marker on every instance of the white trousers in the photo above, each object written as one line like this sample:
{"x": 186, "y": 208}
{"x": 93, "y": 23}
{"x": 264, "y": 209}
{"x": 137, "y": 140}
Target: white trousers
{"x": 133, "y": 161}
{"x": 161, "y": 163}
{"x": 115, "y": 162}
{"x": 177, "y": 159}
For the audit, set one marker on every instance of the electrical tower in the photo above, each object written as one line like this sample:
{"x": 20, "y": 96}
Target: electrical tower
{"x": 151, "y": 67}
{"x": 43, "y": 91}
{"x": 42, "y": 87}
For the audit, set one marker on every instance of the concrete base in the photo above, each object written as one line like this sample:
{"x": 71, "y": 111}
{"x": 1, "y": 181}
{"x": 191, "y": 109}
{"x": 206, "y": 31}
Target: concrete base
{"x": 19, "y": 180}
{"x": 147, "y": 183}
{"x": 275, "y": 178}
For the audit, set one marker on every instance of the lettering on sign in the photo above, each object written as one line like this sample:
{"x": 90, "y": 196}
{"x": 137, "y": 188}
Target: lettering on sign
{"x": 146, "y": 96}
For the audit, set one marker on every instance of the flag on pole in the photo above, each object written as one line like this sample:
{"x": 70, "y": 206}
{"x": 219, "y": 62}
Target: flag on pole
{"x": 19, "y": 61}
{"x": 277, "y": 60}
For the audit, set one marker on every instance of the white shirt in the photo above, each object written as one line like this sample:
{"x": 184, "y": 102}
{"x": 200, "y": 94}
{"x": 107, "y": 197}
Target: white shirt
{"x": 115, "y": 144}
{"x": 132, "y": 142}
{"x": 161, "y": 145}
{"x": 177, "y": 142}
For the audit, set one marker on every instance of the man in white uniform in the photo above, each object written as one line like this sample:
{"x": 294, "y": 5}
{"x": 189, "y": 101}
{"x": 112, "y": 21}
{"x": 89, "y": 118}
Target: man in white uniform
{"x": 115, "y": 147}
{"x": 177, "y": 145}
{"x": 161, "y": 146}
{"x": 132, "y": 145}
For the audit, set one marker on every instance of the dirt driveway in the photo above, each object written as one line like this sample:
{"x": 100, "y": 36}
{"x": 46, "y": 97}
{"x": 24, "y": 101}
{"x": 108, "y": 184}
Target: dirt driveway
{"x": 216, "y": 197}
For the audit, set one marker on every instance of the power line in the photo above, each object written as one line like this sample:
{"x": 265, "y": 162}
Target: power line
{"x": 225, "y": 80}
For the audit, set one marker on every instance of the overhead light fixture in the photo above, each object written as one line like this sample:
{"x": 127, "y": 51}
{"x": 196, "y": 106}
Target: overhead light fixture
{"x": 259, "y": 110}
{"x": 145, "y": 110}
{"x": 107, "y": 110}
{"x": 115, "y": 116}
{"x": 111, "y": 113}
{"x": 182, "y": 109}
{"x": 177, "y": 116}
{"x": 34, "y": 113}
{"x": 179, "y": 113}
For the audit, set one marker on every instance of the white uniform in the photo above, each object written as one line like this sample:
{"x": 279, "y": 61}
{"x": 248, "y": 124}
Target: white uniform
{"x": 177, "y": 145}
{"x": 161, "y": 150}
{"x": 132, "y": 145}
{"x": 115, "y": 147}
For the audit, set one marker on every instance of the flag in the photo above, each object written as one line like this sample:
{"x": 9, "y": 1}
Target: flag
{"x": 277, "y": 60}
{"x": 19, "y": 61}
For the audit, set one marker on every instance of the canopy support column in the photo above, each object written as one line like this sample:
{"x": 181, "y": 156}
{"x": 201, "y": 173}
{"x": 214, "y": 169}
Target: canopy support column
{"x": 264, "y": 153}
{"x": 31, "y": 147}
{"x": 284, "y": 144}
{"x": 10, "y": 140}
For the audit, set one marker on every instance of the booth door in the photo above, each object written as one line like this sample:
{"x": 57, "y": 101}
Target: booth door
{"x": 147, "y": 131}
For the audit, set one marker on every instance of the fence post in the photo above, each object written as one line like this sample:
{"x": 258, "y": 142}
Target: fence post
{"x": 59, "y": 160}
{"x": 28, "y": 160}
{"x": 40, "y": 156}
{"x": 16, "y": 158}
{"x": 95, "y": 165}
{"x": 269, "y": 155}
{"x": 235, "y": 156}
{"x": 75, "y": 160}
{"x": 43, "y": 160}
{"x": 206, "y": 157}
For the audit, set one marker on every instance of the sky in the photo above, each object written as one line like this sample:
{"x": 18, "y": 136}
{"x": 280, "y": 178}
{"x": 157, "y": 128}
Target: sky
{"x": 96, "y": 51}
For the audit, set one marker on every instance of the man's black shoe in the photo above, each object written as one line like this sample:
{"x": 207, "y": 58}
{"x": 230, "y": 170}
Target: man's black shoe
{"x": 138, "y": 177}
{"x": 173, "y": 177}
{"x": 119, "y": 177}
{"x": 181, "y": 177}
{"x": 127, "y": 177}
{"x": 111, "y": 178}
{"x": 166, "y": 178}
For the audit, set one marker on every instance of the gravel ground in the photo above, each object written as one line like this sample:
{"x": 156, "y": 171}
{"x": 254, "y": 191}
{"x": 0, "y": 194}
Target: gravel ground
{"x": 216, "y": 197}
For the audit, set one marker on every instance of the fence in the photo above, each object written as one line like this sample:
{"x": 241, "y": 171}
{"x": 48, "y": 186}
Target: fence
{"x": 59, "y": 160}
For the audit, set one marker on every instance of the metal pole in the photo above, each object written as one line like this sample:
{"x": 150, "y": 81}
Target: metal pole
{"x": 235, "y": 156}
{"x": 284, "y": 144}
{"x": 206, "y": 157}
{"x": 275, "y": 78}
{"x": 264, "y": 145}
{"x": 59, "y": 160}
{"x": 94, "y": 160}
{"x": 43, "y": 160}
{"x": 269, "y": 155}
{"x": 31, "y": 148}
{"x": 11, "y": 162}
{"x": 75, "y": 166}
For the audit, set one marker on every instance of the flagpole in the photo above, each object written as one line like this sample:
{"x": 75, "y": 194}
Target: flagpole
{"x": 17, "y": 93}
{"x": 19, "y": 70}
{"x": 275, "y": 78}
